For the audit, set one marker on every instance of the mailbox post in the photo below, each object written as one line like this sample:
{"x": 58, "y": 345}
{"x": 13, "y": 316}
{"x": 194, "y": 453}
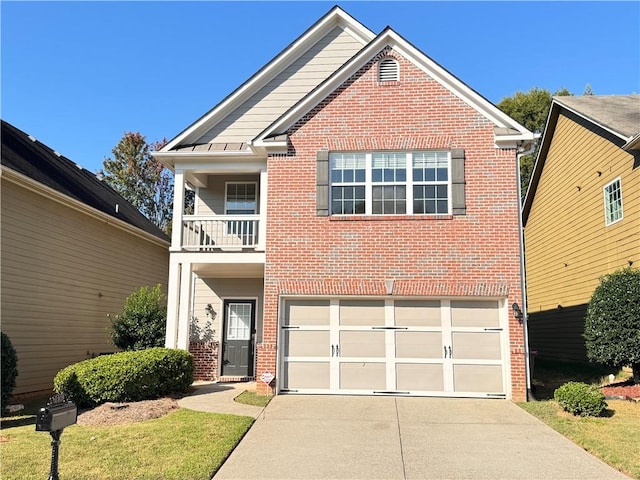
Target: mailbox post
{"x": 53, "y": 418}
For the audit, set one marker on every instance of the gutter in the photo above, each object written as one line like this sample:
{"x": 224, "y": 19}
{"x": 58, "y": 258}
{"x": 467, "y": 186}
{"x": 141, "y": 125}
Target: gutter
{"x": 523, "y": 280}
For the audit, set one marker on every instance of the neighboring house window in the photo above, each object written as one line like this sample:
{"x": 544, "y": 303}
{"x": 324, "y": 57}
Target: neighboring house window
{"x": 390, "y": 183}
{"x": 240, "y": 198}
{"x": 388, "y": 70}
{"x": 613, "y": 202}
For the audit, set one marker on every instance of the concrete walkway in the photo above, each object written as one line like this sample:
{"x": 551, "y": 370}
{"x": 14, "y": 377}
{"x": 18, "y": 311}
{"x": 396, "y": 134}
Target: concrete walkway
{"x": 342, "y": 437}
{"x": 218, "y": 398}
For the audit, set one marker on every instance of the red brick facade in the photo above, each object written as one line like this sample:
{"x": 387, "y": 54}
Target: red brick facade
{"x": 205, "y": 359}
{"x": 474, "y": 254}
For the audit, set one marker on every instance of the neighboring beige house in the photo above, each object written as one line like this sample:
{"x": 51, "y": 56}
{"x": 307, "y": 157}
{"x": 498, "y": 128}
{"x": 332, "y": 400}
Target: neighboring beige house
{"x": 72, "y": 250}
{"x": 581, "y": 215}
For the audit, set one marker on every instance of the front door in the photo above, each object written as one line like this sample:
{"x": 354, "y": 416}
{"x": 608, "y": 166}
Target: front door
{"x": 237, "y": 344}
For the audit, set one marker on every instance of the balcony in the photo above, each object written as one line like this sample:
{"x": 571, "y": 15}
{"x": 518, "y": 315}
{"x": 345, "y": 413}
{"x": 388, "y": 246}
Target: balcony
{"x": 220, "y": 232}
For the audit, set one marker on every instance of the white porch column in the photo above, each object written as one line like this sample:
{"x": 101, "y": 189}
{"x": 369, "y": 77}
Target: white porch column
{"x": 178, "y": 210}
{"x": 262, "y": 227}
{"x": 185, "y": 307}
{"x": 173, "y": 303}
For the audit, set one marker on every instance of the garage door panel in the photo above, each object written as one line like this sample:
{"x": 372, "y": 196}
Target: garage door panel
{"x": 363, "y": 376}
{"x": 306, "y": 343}
{"x": 419, "y": 377}
{"x": 362, "y": 344}
{"x": 480, "y": 313}
{"x": 306, "y": 312}
{"x": 362, "y": 313}
{"x": 477, "y": 378}
{"x": 477, "y": 345}
{"x": 301, "y": 375}
{"x": 417, "y": 313}
{"x": 418, "y": 344}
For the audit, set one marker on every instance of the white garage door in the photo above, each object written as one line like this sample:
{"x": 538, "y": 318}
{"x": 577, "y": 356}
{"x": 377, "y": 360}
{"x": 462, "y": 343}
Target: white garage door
{"x": 431, "y": 347}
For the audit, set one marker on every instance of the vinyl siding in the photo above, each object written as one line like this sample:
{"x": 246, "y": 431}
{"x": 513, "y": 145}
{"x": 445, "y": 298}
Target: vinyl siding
{"x": 567, "y": 244}
{"x": 62, "y": 272}
{"x": 567, "y": 225}
{"x": 283, "y": 91}
{"x": 210, "y": 200}
{"x": 216, "y": 290}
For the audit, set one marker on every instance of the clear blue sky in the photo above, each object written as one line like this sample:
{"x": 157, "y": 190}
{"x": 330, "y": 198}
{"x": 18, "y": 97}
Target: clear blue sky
{"x": 77, "y": 75}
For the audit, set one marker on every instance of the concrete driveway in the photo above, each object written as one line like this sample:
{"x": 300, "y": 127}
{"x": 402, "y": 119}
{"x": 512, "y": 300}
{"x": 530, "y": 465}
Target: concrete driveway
{"x": 341, "y": 437}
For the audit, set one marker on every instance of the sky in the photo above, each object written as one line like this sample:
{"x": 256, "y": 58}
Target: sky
{"x": 78, "y": 75}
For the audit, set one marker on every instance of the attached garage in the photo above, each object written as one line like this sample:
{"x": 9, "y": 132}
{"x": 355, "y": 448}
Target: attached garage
{"x": 441, "y": 347}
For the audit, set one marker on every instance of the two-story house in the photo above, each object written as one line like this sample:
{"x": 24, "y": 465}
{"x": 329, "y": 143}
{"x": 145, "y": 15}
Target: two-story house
{"x": 356, "y": 226}
{"x": 581, "y": 215}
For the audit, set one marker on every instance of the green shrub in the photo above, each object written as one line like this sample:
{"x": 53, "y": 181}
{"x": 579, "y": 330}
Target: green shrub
{"x": 142, "y": 322}
{"x": 126, "y": 376}
{"x": 581, "y": 399}
{"x": 9, "y": 371}
{"x": 612, "y": 324}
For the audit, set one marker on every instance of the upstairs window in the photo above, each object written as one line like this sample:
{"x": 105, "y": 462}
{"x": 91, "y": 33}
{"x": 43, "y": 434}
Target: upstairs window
{"x": 613, "y": 202}
{"x": 390, "y": 183}
{"x": 241, "y": 198}
{"x": 388, "y": 70}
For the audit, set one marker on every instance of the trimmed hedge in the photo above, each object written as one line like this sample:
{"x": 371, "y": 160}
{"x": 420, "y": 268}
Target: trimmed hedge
{"x": 126, "y": 376}
{"x": 581, "y": 399}
{"x": 9, "y": 371}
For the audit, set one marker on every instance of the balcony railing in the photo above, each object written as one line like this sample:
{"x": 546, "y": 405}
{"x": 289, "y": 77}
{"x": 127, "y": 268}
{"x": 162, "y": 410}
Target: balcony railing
{"x": 219, "y": 232}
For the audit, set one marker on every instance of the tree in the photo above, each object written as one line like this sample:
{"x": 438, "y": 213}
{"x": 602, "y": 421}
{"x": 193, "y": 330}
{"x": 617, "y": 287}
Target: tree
{"x": 140, "y": 178}
{"x": 142, "y": 323}
{"x": 612, "y": 325}
{"x": 9, "y": 371}
{"x": 587, "y": 90}
{"x": 530, "y": 109}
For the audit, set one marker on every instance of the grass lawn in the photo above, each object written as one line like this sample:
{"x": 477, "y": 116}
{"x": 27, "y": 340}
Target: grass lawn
{"x": 182, "y": 445}
{"x": 614, "y": 438}
{"x": 249, "y": 397}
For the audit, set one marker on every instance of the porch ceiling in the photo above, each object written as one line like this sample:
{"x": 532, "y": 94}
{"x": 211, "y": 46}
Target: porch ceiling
{"x": 229, "y": 270}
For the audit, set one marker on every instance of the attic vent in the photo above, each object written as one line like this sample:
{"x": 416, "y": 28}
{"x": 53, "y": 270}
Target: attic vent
{"x": 388, "y": 70}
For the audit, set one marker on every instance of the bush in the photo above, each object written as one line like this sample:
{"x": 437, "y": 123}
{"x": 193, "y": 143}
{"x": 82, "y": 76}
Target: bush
{"x": 126, "y": 376}
{"x": 9, "y": 371}
{"x": 613, "y": 321}
{"x": 581, "y": 399}
{"x": 142, "y": 323}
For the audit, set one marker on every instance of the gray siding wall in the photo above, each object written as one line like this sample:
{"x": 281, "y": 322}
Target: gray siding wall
{"x": 293, "y": 83}
{"x": 62, "y": 272}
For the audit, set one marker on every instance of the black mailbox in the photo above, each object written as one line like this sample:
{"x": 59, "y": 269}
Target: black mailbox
{"x": 56, "y": 417}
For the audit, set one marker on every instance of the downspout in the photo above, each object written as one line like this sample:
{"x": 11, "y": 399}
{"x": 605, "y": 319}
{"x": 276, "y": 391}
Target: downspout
{"x": 523, "y": 285}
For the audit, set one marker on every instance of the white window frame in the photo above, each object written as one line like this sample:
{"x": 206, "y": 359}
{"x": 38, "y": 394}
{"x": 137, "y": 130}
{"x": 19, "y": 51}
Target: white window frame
{"x": 409, "y": 183}
{"x": 226, "y": 196}
{"x": 608, "y": 210}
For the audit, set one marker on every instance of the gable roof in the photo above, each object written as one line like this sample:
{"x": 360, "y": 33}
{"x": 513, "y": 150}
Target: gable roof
{"x": 614, "y": 117}
{"x": 26, "y": 155}
{"x": 507, "y": 130}
{"x": 336, "y": 17}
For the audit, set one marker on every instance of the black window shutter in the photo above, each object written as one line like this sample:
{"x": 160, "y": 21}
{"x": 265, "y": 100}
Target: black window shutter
{"x": 458, "y": 199}
{"x": 322, "y": 183}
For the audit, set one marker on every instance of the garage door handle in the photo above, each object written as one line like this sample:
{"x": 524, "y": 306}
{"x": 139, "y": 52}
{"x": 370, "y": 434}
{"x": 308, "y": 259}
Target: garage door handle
{"x": 445, "y": 352}
{"x": 333, "y": 350}
{"x": 450, "y": 352}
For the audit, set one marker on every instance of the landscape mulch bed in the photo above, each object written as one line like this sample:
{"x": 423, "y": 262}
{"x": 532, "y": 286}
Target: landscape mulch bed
{"x": 123, "y": 413}
{"x": 622, "y": 391}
